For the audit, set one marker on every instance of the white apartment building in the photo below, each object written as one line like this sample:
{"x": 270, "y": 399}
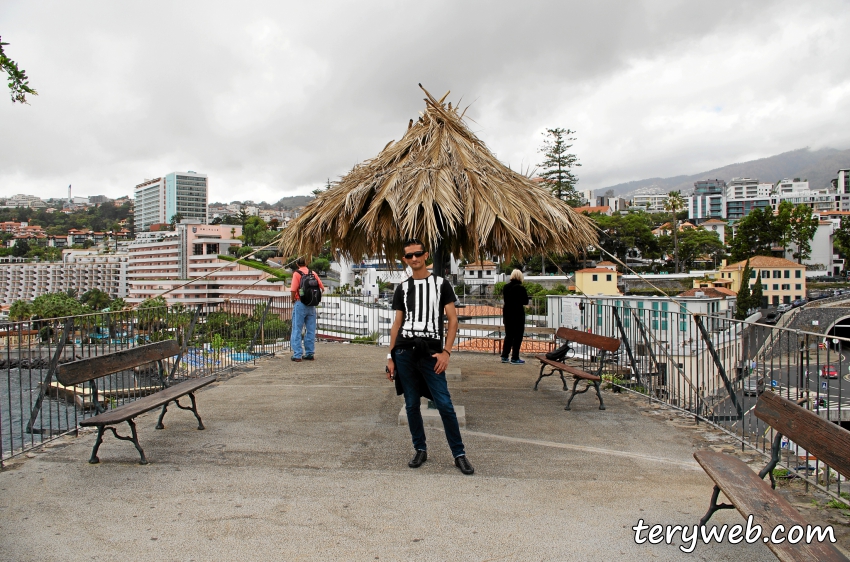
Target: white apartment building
{"x": 149, "y": 205}
{"x": 649, "y": 202}
{"x": 160, "y": 261}
{"x": 78, "y": 272}
{"x": 748, "y": 188}
{"x": 183, "y": 193}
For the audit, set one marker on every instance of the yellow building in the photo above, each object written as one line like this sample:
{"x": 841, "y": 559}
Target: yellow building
{"x": 782, "y": 280}
{"x": 597, "y": 281}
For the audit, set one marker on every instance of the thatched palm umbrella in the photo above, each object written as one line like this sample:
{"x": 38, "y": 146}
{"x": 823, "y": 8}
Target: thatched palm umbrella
{"x": 441, "y": 184}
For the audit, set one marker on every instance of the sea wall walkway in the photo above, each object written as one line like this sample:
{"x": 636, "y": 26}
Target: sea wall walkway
{"x": 306, "y": 462}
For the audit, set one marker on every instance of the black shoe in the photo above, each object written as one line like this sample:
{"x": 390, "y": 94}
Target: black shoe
{"x": 463, "y": 464}
{"x": 418, "y": 459}
{"x": 308, "y": 358}
{"x": 296, "y": 359}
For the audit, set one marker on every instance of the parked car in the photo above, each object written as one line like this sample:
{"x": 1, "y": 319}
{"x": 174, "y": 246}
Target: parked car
{"x": 770, "y": 318}
{"x": 829, "y": 372}
{"x": 753, "y": 386}
{"x": 798, "y": 302}
{"x": 783, "y": 308}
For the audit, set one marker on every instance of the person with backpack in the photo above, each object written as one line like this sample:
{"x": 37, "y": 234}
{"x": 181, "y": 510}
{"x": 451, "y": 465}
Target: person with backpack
{"x": 418, "y": 358}
{"x": 306, "y": 292}
{"x": 513, "y": 316}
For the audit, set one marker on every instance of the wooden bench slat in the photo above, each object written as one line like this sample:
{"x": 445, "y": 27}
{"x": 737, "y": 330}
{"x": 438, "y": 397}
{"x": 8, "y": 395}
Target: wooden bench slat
{"x": 593, "y": 340}
{"x": 752, "y": 495}
{"x": 825, "y": 440}
{"x": 91, "y": 368}
{"x": 568, "y": 369}
{"x": 149, "y": 402}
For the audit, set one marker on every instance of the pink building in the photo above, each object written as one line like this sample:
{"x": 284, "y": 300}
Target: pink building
{"x": 159, "y": 261}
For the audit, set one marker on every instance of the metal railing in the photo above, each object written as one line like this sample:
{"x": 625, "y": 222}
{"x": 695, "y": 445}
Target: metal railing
{"x": 714, "y": 367}
{"x": 35, "y": 407}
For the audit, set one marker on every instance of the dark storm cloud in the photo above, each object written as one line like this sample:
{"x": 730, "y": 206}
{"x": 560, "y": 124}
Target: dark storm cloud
{"x": 272, "y": 99}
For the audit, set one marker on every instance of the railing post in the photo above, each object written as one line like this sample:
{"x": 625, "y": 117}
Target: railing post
{"x": 648, "y": 344}
{"x": 705, "y": 336}
{"x": 186, "y": 337}
{"x": 260, "y": 327}
{"x": 625, "y": 339}
{"x": 45, "y": 385}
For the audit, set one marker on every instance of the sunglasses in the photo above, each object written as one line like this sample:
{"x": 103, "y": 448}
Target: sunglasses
{"x": 418, "y": 254}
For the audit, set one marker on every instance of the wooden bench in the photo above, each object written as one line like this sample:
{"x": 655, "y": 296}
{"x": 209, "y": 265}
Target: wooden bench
{"x": 602, "y": 343}
{"x": 750, "y": 494}
{"x": 90, "y": 369}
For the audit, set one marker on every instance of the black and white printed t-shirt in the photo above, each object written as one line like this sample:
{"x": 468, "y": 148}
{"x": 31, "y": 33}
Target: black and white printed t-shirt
{"x": 423, "y": 302}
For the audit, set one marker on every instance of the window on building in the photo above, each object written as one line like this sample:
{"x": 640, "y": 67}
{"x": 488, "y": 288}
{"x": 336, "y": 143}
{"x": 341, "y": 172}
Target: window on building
{"x": 753, "y": 274}
{"x": 595, "y": 277}
{"x": 197, "y": 249}
{"x": 775, "y": 287}
{"x": 798, "y": 287}
{"x": 786, "y": 299}
{"x": 775, "y": 300}
{"x": 479, "y": 273}
{"x": 798, "y": 274}
{"x": 787, "y": 274}
{"x": 212, "y": 248}
{"x": 786, "y": 286}
{"x": 777, "y": 274}
{"x": 607, "y": 277}
{"x": 488, "y": 273}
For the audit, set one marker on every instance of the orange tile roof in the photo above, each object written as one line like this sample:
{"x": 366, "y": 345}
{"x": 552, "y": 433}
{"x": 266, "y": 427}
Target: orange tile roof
{"x": 711, "y": 292}
{"x": 762, "y": 262}
{"x": 714, "y": 221}
{"x": 595, "y": 270}
{"x": 480, "y": 265}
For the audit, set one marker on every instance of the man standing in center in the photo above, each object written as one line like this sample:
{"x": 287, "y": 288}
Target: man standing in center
{"x": 418, "y": 354}
{"x": 303, "y": 317}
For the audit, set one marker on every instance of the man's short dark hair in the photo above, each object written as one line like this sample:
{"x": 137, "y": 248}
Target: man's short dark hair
{"x": 301, "y": 262}
{"x": 414, "y": 242}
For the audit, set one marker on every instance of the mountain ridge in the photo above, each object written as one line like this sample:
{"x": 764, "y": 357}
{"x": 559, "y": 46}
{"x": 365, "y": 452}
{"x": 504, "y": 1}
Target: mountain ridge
{"x": 818, "y": 166}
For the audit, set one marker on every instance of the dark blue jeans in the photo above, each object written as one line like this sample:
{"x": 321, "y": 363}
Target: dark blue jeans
{"x": 407, "y": 368}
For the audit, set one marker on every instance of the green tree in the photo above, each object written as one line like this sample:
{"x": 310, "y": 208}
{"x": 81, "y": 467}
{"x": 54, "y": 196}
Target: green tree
{"x": 20, "y": 248}
{"x": 56, "y": 305}
{"x": 698, "y": 242}
{"x": 322, "y": 265}
{"x": 757, "y": 296}
{"x": 674, "y": 203}
{"x": 742, "y": 305}
{"x": 18, "y": 79}
{"x": 95, "y": 299}
{"x": 20, "y": 310}
{"x": 802, "y": 228}
{"x": 252, "y": 230}
{"x": 780, "y": 224}
{"x": 558, "y": 165}
{"x": 175, "y": 220}
{"x": 243, "y": 217}
{"x": 755, "y": 236}
{"x": 117, "y": 304}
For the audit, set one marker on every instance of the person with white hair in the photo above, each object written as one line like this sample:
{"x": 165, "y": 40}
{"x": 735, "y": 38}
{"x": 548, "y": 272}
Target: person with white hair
{"x": 513, "y": 316}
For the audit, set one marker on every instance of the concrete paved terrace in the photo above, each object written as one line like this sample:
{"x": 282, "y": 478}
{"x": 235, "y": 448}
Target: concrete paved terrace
{"x": 306, "y": 461}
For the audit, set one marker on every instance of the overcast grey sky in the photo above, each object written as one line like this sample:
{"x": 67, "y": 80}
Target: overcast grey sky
{"x": 272, "y": 98}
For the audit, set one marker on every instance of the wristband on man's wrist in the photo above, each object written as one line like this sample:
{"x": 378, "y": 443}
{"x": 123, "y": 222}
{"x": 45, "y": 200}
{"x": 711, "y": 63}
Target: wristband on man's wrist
{"x": 389, "y": 355}
{"x": 447, "y": 351}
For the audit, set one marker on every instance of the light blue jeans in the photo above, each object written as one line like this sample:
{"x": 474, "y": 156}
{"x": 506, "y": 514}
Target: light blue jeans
{"x": 303, "y": 316}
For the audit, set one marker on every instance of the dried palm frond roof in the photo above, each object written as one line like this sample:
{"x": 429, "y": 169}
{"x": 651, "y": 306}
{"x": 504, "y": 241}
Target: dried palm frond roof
{"x": 440, "y": 184}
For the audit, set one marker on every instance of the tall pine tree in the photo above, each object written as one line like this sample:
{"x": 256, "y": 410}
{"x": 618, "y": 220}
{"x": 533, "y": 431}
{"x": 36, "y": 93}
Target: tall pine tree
{"x": 742, "y": 306}
{"x": 756, "y": 296}
{"x": 558, "y": 165}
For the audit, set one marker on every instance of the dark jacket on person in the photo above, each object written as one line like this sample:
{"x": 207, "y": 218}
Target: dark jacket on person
{"x": 516, "y": 297}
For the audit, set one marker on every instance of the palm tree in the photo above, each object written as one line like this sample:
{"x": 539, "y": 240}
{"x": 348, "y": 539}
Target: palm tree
{"x": 440, "y": 184}
{"x": 675, "y": 203}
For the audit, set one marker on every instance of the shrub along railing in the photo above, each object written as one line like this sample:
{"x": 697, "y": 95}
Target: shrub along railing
{"x": 214, "y": 338}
